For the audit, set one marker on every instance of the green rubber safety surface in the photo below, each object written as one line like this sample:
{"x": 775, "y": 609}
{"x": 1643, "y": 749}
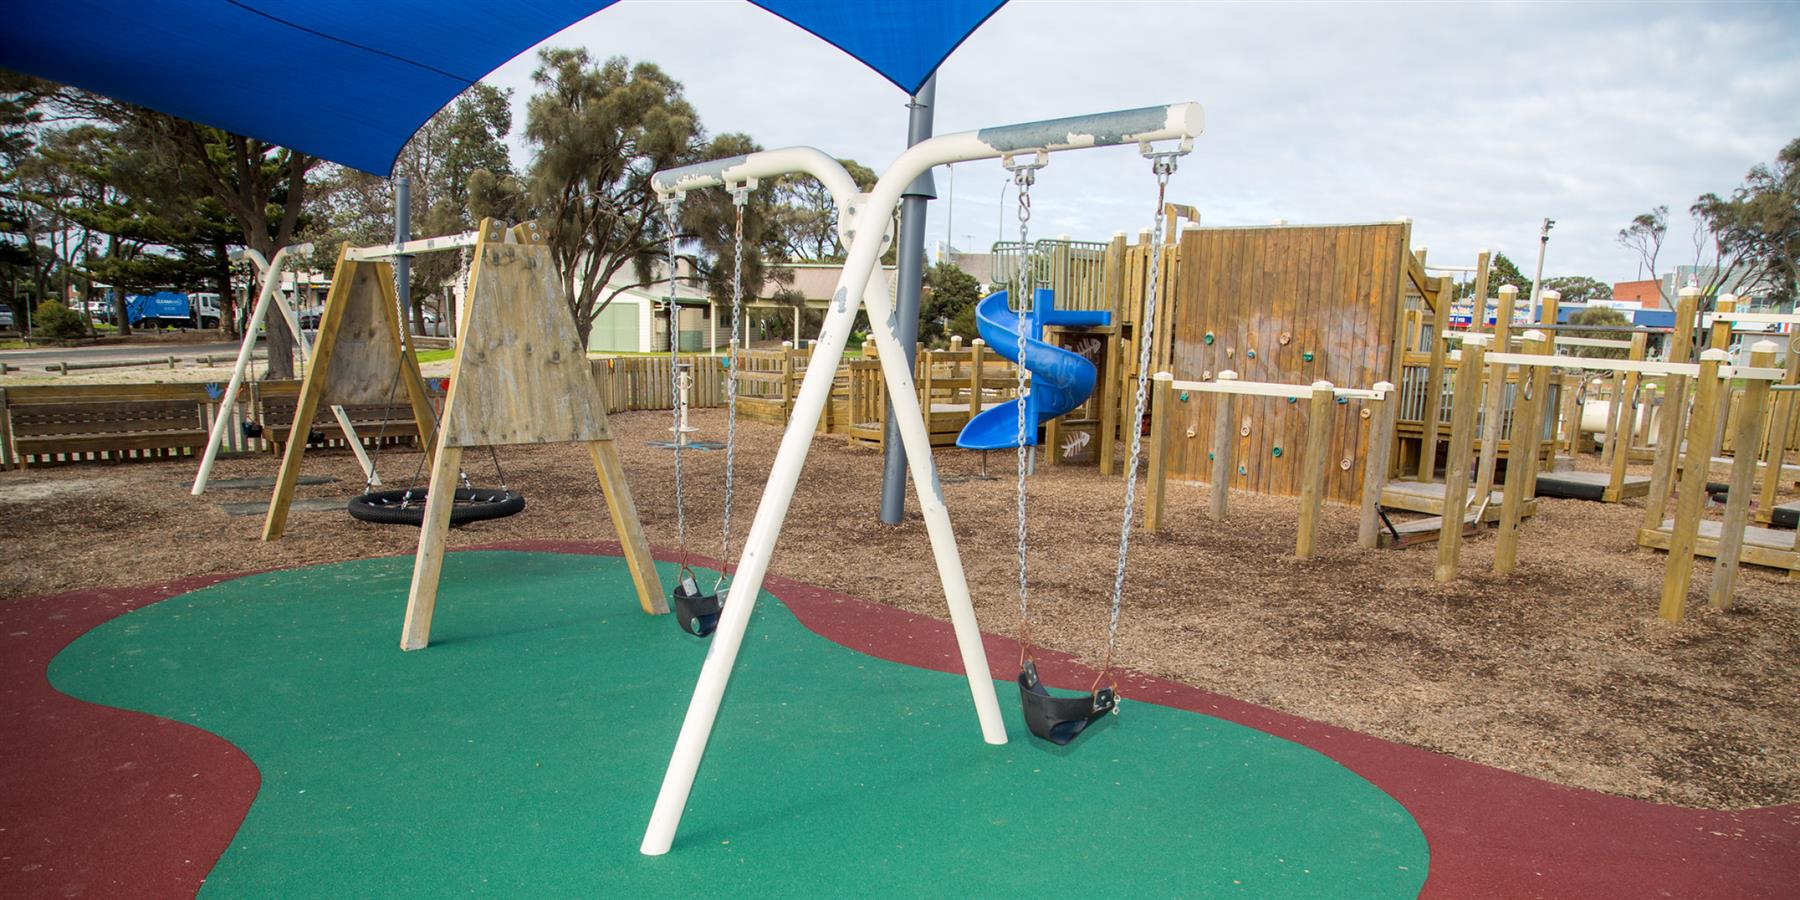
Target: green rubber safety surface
{"x": 522, "y": 751}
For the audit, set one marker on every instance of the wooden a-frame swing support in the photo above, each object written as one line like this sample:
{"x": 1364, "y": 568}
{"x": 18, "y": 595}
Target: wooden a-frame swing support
{"x": 357, "y": 357}
{"x": 863, "y": 225}
{"x": 521, "y": 376}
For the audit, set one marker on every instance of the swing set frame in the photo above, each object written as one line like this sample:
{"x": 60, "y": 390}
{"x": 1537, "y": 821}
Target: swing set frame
{"x": 864, "y": 224}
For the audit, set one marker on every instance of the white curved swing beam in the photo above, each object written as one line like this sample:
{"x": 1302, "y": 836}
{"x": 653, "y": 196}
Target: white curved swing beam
{"x": 863, "y": 222}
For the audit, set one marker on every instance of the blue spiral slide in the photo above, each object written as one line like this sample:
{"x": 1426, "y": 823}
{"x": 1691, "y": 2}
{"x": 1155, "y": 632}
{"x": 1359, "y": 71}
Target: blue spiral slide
{"x": 1060, "y": 380}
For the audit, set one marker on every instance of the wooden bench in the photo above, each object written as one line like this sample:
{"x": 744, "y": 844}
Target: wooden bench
{"x": 48, "y": 423}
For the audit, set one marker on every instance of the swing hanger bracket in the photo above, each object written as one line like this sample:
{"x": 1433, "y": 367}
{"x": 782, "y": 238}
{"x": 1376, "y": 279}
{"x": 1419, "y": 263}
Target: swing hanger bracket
{"x": 1025, "y": 170}
{"x": 1162, "y": 162}
{"x": 740, "y": 193}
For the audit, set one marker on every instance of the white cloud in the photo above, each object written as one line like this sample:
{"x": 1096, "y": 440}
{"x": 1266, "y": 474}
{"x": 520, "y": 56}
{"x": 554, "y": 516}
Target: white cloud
{"x": 1474, "y": 120}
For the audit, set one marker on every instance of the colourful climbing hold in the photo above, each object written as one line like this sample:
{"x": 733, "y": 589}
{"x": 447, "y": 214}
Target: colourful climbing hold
{"x": 1249, "y": 354}
{"x": 1184, "y": 395}
{"x": 1206, "y": 338}
{"x": 1276, "y": 452}
{"x": 1307, "y": 356}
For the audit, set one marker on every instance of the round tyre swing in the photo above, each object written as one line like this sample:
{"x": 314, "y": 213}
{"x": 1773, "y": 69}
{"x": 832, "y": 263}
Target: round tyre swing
{"x": 697, "y": 610}
{"x": 407, "y": 506}
{"x": 1060, "y": 720}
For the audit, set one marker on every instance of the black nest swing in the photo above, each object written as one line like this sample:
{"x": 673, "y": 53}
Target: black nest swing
{"x": 407, "y": 506}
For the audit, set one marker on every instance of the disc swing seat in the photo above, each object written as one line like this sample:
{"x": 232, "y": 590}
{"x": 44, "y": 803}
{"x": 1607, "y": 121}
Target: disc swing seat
{"x": 1061, "y": 719}
{"x": 406, "y": 506}
{"x": 697, "y": 610}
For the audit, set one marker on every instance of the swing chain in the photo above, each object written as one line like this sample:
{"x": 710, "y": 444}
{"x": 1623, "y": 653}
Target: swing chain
{"x": 671, "y": 205}
{"x": 1024, "y": 175}
{"x": 740, "y": 198}
{"x": 1162, "y": 164}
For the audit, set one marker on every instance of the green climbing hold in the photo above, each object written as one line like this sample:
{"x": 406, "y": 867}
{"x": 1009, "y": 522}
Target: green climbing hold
{"x": 1293, "y": 399}
{"x": 1184, "y": 395}
{"x": 1275, "y": 452}
{"x": 1249, "y": 354}
{"x": 1307, "y": 356}
{"x": 1206, "y": 338}
{"x": 1240, "y": 470}
{"x": 1209, "y": 454}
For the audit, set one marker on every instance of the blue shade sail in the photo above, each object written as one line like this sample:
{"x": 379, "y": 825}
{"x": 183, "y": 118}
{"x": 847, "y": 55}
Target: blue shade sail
{"x": 351, "y": 80}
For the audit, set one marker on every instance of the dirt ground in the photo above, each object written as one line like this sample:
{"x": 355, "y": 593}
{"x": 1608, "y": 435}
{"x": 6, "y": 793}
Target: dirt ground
{"x": 1561, "y": 671}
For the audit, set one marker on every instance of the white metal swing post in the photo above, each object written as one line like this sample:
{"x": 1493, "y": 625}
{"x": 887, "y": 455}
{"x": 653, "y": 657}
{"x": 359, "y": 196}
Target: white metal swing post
{"x": 270, "y": 295}
{"x": 863, "y": 223}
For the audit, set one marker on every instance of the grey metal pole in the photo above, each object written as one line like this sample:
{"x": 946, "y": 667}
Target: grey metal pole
{"x": 1537, "y": 280}
{"x": 906, "y": 307}
{"x": 403, "y": 264}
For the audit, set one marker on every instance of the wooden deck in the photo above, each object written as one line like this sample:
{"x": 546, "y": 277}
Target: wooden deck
{"x": 1762, "y": 546}
{"x": 1428, "y": 497}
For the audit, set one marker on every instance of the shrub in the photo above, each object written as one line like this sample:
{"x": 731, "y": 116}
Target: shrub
{"x": 57, "y": 322}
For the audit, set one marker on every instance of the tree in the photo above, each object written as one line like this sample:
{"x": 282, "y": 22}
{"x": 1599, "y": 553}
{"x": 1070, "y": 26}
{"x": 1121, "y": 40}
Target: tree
{"x": 444, "y": 162}
{"x": 947, "y": 304}
{"x": 260, "y": 186}
{"x": 1603, "y": 315}
{"x": 601, "y": 130}
{"x": 21, "y": 271}
{"x": 709, "y": 218}
{"x": 1579, "y": 288}
{"x": 1752, "y": 238}
{"x": 1501, "y": 271}
{"x": 1644, "y": 237}
{"x": 806, "y": 216}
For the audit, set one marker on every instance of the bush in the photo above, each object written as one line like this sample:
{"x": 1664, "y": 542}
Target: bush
{"x": 1602, "y": 315}
{"x": 57, "y": 322}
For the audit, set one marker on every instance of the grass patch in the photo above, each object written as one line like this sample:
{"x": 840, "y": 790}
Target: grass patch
{"x": 431, "y": 356}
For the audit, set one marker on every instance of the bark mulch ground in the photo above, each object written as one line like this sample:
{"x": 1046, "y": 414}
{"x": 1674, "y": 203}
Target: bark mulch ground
{"x": 1560, "y": 671}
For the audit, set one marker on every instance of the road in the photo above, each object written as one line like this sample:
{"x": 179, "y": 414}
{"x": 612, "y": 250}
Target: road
{"x": 116, "y": 352}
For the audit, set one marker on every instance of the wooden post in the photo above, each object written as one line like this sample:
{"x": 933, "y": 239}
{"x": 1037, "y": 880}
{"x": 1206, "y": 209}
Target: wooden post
{"x": 1675, "y": 390}
{"x": 977, "y": 360}
{"x": 1743, "y": 478}
{"x": 1312, "y": 485}
{"x": 1520, "y": 474}
{"x": 787, "y": 373}
{"x": 1113, "y": 286}
{"x": 1491, "y": 411}
{"x": 428, "y": 565}
{"x": 1719, "y": 337}
{"x": 1647, "y": 395}
{"x": 1462, "y": 440}
{"x": 1616, "y": 386}
{"x": 1159, "y": 448}
{"x": 1624, "y": 423}
{"x": 1223, "y": 440}
{"x": 623, "y": 510}
{"x": 1679, "y": 571}
{"x": 1434, "y": 386}
{"x": 1375, "y": 462}
{"x": 1775, "y": 448}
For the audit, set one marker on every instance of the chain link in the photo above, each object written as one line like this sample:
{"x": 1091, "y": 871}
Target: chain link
{"x": 1024, "y": 175}
{"x": 740, "y": 197}
{"x": 1163, "y": 165}
{"x": 671, "y": 204}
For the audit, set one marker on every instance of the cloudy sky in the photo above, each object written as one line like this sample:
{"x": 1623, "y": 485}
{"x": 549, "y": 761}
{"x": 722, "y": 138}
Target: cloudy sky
{"x": 1474, "y": 120}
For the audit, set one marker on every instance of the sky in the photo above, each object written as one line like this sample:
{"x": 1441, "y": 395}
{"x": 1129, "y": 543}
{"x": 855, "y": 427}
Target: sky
{"x": 1476, "y": 121}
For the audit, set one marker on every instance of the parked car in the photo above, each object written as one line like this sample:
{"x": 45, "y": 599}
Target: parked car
{"x": 6, "y": 317}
